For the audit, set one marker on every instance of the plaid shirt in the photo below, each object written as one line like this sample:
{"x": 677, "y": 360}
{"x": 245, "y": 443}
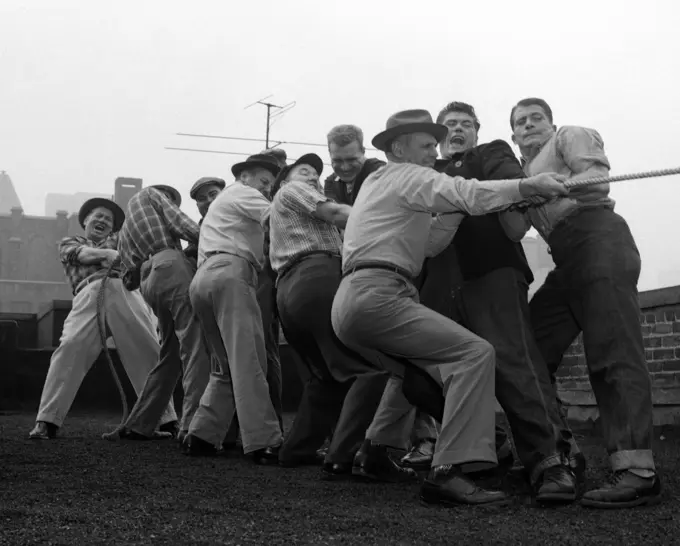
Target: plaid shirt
{"x": 294, "y": 230}
{"x": 69, "y": 251}
{"x": 152, "y": 223}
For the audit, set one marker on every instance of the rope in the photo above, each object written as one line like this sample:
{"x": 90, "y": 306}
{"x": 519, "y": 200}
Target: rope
{"x": 620, "y": 178}
{"x": 101, "y": 324}
{"x": 602, "y": 180}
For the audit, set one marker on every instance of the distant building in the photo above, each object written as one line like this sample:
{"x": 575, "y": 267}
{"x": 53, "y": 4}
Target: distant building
{"x": 31, "y": 274}
{"x": 68, "y": 202}
{"x": 8, "y": 195}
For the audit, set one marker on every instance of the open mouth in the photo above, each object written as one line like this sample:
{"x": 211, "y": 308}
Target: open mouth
{"x": 457, "y": 140}
{"x": 99, "y": 228}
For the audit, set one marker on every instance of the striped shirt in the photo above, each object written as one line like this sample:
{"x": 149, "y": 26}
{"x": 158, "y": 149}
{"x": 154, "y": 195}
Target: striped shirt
{"x": 152, "y": 223}
{"x": 391, "y": 220}
{"x": 233, "y": 224}
{"x": 294, "y": 230}
{"x": 69, "y": 252}
{"x": 570, "y": 151}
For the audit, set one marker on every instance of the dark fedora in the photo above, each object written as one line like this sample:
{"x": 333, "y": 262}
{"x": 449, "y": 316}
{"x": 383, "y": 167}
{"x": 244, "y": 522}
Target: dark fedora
{"x": 405, "y": 122}
{"x": 312, "y": 160}
{"x": 206, "y": 181}
{"x": 176, "y": 197}
{"x": 96, "y": 202}
{"x": 264, "y": 161}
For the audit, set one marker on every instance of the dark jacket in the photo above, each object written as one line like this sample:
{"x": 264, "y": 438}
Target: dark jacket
{"x": 481, "y": 243}
{"x": 336, "y": 189}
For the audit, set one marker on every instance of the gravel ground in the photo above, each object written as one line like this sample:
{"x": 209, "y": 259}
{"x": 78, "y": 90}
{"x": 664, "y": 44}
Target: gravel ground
{"x": 79, "y": 489}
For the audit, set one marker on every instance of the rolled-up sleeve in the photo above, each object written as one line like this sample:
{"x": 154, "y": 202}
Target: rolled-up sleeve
{"x": 69, "y": 250}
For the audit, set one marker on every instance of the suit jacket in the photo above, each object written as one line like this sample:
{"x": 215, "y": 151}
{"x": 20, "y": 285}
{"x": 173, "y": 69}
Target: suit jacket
{"x": 336, "y": 189}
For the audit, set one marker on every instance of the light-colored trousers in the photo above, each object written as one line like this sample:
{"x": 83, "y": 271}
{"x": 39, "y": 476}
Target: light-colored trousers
{"x": 223, "y": 295}
{"x": 402, "y": 418}
{"x": 133, "y": 327}
{"x": 165, "y": 280}
{"x": 378, "y": 311}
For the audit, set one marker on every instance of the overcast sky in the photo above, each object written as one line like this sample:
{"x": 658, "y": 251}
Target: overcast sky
{"x": 90, "y": 91}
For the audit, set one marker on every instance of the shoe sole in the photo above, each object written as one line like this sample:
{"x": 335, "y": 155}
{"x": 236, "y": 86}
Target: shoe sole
{"x": 362, "y": 474}
{"x": 452, "y": 504}
{"x": 556, "y": 499}
{"x": 641, "y": 501}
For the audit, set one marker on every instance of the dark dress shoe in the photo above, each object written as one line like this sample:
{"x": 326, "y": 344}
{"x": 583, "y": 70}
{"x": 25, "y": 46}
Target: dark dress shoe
{"x": 336, "y": 471}
{"x": 372, "y": 462}
{"x": 557, "y": 485}
{"x": 172, "y": 427}
{"x": 625, "y": 490}
{"x": 197, "y": 447}
{"x": 447, "y": 485}
{"x": 267, "y": 455}
{"x": 420, "y": 455}
{"x": 43, "y": 431}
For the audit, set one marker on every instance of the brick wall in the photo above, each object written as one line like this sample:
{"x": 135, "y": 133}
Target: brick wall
{"x": 660, "y": 323}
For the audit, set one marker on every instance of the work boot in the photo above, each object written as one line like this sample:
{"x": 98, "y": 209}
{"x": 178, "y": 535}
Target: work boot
{"x": 624, "y": 490}
{"x": 420, "y": 455}
{"x": 447, "y": 485}
{"x": 372, "y": 462}
{"x": 557, "y": 485}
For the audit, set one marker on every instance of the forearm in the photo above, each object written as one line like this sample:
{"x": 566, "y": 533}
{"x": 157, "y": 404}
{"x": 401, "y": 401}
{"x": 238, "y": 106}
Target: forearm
{"x": 90, "y": 256}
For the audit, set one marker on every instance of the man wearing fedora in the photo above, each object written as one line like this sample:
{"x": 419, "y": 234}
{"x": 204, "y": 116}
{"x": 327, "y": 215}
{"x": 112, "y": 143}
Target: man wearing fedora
{"x": 224, "y": 297}
{"x": 390, "y": 231}
{"x": 341, "y": 387}
{"x": 86, "y": 260}
{"x": 350, "y": 169}
{"x": 151, "y": 252}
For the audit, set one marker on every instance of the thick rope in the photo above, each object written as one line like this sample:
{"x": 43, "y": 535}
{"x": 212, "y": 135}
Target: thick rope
{"x": 602, "y": 180}
{"x": 101, "y": 323}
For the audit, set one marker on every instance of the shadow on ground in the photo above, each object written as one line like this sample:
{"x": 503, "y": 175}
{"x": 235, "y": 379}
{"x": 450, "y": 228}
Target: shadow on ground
{"x": 80, "y": 490}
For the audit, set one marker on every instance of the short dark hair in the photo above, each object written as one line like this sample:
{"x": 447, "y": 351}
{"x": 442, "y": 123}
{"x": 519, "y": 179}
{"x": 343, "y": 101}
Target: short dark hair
{"x": 531, "y": 101}
{"x": 462, "y": 107}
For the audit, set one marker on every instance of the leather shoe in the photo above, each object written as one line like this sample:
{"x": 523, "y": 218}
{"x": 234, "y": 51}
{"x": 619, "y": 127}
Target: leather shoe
{"x": 321, "y": 453}
{"x": 336, "y": 471}
{"x": 372, "y": 462}
{"x": 557, "y": 485}
{"x": 625, "y": 490}
{"x": 420, "y": 456}
{"x": 577, "y": 462}
{"x": 43, "y": 431}
{"x": 447, "y": 485}
{"x": 267, "y": 455}
{"x": 198, "y": 447}
{"x": 172, "y": 427}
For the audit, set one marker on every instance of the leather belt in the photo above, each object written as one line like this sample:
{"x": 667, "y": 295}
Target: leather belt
{"x": 302, "y": 257}
{"x": 89, "y": 280}
{"x": 379, "y": 265}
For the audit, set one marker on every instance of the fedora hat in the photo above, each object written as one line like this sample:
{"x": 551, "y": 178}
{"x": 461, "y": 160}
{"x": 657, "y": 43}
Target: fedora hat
{"x": 405, "y": 122}
{"x": 206, "y": 181}
{"x": 176, "y": 197}
{"x": 264, "y": 161}
{"x": 96, "y": 202}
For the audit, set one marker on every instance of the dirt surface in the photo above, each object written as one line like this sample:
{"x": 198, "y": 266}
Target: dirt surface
{"x": 79, "y": 489}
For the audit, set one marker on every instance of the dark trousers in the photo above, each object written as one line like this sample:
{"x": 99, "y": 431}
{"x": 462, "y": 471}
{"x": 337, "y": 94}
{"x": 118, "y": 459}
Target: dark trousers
{"x": 343, "y": 389}
{"x": 266, "y": 298}
{"x": 593, "y": 289}
{"x": 496, "y": 308}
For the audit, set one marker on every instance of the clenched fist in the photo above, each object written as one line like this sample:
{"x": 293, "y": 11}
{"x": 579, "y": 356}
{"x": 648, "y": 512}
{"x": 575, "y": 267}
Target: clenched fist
{"x": 548, "y": 185}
